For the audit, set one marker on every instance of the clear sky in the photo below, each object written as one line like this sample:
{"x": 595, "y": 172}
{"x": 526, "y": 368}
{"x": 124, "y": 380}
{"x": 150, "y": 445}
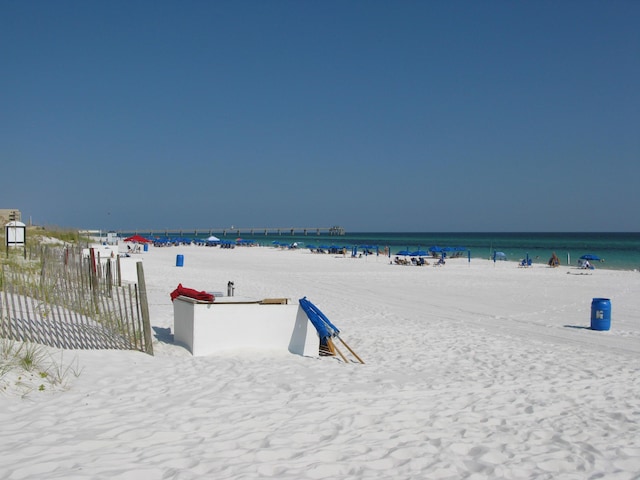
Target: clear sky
{"x": 373, "y": 115}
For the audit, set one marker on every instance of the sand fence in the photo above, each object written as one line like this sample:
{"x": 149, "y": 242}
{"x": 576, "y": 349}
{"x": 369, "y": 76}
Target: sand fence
{"x": 63, "y": 298}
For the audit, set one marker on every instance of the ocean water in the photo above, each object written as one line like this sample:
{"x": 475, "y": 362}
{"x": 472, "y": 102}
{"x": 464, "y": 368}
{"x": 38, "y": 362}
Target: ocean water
{"x": 618, "y": 251}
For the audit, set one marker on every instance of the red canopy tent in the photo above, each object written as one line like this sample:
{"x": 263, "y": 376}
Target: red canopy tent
{"x": 137, "y": 239}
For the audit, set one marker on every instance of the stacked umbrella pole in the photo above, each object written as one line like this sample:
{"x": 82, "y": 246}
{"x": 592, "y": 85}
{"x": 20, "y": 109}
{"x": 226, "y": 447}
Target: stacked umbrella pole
{"x": 327, "y": 331}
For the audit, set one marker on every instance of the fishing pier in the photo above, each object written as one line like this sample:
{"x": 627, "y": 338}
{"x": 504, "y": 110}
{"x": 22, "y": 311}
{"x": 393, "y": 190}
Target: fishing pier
{"x": 238, "y": 231}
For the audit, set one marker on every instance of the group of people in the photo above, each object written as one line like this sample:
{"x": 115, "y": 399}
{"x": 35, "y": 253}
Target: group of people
{"x": 419, "y": 261}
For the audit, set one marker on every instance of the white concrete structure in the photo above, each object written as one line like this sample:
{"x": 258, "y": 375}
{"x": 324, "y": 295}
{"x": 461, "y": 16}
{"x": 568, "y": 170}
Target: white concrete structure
{"x": 235, "y": 322}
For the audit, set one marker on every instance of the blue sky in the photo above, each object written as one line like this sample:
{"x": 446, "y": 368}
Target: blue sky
{"x": 372, "y": 115}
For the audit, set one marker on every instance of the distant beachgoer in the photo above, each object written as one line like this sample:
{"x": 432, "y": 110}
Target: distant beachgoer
{"x": 554, "y": 261}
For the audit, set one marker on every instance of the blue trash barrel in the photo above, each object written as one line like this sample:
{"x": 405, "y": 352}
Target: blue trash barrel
{"x": 600, "y": 314}
{"x": 146, "y": 247}
{"x": 179, "y": 260}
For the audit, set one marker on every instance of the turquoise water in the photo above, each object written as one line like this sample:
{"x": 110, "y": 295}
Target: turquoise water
{"x": 620, "y": 251}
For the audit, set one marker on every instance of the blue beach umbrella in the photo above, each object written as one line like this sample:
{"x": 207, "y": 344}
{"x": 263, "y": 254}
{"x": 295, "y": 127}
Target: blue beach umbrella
{"x": 404, "y": 253}
{"x": 590, "y": 256}
{"x": 419, "y": 253}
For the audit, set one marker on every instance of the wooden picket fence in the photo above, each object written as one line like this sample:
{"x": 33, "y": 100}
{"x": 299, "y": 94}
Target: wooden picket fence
{"x": 63, "y": 297}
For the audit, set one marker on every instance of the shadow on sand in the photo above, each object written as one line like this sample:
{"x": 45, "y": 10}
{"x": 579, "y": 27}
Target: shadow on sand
{"x": 163, "y": 335}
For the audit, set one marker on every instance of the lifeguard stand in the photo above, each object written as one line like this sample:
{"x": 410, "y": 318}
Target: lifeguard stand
{"x": 16, "y": 235}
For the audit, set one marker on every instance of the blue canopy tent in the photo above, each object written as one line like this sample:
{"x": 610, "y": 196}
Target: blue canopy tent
{"x": 583, "y": 261}
{"x": 227, "y": 244}
{"x": 499, "y": 256}
{"x": 326, "y": 330}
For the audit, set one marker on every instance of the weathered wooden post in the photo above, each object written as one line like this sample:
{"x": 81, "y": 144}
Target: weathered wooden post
{"x": 144, "y": 310}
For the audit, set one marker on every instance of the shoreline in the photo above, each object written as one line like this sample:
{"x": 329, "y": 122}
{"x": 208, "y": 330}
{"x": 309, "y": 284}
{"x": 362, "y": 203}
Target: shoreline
{"x": 619, "y": 250}
{"x": 600, "y": 265}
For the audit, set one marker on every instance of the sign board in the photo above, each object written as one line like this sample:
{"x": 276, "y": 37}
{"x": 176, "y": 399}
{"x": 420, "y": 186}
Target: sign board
{"x": 15, "y": 234}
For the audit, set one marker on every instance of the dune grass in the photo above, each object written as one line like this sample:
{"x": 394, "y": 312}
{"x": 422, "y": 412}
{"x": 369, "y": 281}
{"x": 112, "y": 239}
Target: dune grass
{"x": 28, "y": 367}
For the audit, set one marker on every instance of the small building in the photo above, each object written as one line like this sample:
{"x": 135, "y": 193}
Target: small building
{"x": 112, "y": 237}
{"x": 10, "y": 215}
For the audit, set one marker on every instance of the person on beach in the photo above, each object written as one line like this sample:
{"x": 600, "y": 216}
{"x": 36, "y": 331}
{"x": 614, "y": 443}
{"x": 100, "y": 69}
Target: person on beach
{"x": 554, "y": 261}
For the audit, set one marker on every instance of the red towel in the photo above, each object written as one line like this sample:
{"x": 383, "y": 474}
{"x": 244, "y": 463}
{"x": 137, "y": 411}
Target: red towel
{"x": 191, "y": 293}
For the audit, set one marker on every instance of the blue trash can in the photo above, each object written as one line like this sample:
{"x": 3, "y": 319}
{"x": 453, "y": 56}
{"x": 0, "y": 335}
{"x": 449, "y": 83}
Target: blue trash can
{"x": 600, "y": 314}
{"x": 179, "y": 260}
{"x": 146, "y": 247}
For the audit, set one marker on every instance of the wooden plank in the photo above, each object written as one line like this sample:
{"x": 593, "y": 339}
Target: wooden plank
{"x": 349, "y": 348}
{"x": 275, "y": 301}
{"x": 144, "y": 310}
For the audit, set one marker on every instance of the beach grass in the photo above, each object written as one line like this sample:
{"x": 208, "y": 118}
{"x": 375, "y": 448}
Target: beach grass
{"x": 27, "y": 367}
{"x": 24, "y": 366}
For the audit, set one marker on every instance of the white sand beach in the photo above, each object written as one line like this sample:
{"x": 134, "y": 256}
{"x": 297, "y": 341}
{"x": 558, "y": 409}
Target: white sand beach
{"x": 475, "y": 370}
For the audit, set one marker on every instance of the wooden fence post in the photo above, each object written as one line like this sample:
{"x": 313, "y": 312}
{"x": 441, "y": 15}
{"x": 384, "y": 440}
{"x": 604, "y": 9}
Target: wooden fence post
{"x": 144, "y": 310}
